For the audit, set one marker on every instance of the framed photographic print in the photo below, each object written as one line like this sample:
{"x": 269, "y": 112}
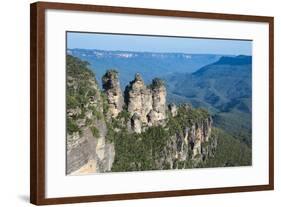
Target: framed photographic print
{"x": 130, "y": 103}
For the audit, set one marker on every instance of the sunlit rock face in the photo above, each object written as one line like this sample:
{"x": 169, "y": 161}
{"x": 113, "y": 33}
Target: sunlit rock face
{"x": 158, "y": 99}
{"x": 138, "y": 98}
{"x": 114, "y": 95}
{"x": 148, "y": 102}
{"x": 193, "y": 143}
{"x": 136, "y": 123}
{"x": 200, "y": 134}
{"x": 173, "y": 109}
{"x": 88, "y": 150}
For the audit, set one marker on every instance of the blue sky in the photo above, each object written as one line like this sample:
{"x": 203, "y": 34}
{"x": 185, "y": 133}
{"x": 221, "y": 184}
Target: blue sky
{"x": 157, "y": 44}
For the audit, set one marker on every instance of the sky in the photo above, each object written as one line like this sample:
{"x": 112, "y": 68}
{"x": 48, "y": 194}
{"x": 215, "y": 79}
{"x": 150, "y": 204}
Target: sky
{"x": 141, "y": 43}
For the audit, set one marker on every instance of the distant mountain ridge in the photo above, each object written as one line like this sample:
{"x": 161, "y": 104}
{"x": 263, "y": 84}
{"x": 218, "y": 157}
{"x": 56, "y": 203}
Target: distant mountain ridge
{"x": 150, "y": 64}
{"x": 226, "y": 60}
{"x": 131, "y": 54}
{"x": 216, "y": 84}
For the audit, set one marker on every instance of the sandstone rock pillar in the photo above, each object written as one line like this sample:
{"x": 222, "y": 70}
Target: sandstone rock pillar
{"x": 111, "y": 86}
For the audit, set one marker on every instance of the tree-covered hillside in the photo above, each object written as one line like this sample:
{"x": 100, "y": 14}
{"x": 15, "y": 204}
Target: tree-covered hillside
{"x": 224, "y": 88}
{"x": 113, "y": 130}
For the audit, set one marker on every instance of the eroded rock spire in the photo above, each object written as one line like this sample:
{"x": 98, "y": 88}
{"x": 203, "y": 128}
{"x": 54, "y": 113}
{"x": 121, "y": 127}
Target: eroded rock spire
{"x": 111, "y": 86}
{"x": 148, "y": 102}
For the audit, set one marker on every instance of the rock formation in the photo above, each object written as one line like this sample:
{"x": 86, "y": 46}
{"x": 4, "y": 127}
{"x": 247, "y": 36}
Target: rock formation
{"x": 182, "y": 134}
{"x": 173, "y": 109}
{"x": 88, "y": 150}
{"x": 111, "y": 86}
{"x": 148, "y": 102}
{"x": 158, "y": 101}
{"x": 193, "y": 144}
{"x": 199, "y": 134}
{"x": 136, "y": 123}
{"x": 138, "y": 98}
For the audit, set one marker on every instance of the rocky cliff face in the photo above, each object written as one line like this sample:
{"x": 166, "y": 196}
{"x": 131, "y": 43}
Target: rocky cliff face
{"x": 158, "y": 112}
{"x": 199, "y": 133}
{"x": 114, "y": 95}
{"x": 87, "y": 148}
{"x": 173, "y": 109}
{"x": 138, "y": 99}
{"x": 146, "y": 104}
{"x": 103, "y": 127}
{"x": 191, "y": 145}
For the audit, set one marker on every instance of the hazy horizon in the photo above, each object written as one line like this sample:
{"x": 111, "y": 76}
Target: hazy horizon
{"x": 154, "y": 52}
{"x": 157, "y": 44}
